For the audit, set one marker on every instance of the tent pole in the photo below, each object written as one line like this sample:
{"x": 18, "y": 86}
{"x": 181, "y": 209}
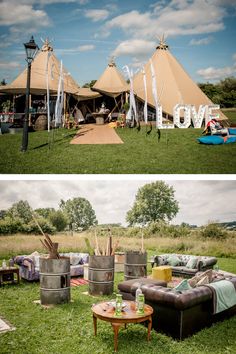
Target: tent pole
{"x": 94, "y": 105}
{"x": 64, "y": 115}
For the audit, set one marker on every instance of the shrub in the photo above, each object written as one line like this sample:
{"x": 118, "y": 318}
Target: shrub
{"x": 11, "y": 226}
{"x": 46, "y": 226}
{"x": 214, "y": 231}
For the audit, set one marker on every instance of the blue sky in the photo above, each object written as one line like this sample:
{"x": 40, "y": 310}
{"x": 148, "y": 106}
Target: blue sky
{"x": 86, "y": 33}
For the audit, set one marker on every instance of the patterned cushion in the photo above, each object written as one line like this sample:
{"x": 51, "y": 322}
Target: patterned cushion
{"x": 203, "y": 281}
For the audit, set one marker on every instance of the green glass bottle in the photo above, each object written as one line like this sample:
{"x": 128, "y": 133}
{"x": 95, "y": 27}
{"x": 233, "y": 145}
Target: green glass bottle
{"x": 140, "y": 305}
{"x": 118, "y": 305}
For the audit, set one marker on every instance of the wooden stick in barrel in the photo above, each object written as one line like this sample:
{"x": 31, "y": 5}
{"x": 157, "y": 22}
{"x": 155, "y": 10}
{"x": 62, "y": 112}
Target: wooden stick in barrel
{"x": 142, "y": 248}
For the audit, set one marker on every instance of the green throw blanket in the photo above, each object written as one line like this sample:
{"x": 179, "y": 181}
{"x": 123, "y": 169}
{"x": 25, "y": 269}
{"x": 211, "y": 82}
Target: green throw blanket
{"x": 224, "y": 295}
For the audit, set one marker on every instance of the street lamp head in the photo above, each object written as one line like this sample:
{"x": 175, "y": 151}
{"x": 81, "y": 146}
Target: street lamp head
{"x": 31, "y": 49}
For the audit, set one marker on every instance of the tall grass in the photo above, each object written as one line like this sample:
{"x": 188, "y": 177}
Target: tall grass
{"x": 26, "y": 244}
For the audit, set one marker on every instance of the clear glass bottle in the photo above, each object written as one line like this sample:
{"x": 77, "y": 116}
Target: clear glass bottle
{"x": 4, "y": 264}
{"x": 137, "y": 293}
{"x": 118, "y": 305}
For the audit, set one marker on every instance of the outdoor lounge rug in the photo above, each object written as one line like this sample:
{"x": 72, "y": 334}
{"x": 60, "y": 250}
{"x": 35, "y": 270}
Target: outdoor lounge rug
{"x": 96, "y": 134}
{"x": 78, "y": 281}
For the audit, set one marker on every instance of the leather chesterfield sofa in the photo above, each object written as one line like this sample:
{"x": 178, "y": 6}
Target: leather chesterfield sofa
{"x": 201, "y": 263}
{"x": 178, "y": 314}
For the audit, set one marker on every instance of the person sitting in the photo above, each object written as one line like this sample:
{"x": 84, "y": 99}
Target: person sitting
{"x": 215, "y": 128}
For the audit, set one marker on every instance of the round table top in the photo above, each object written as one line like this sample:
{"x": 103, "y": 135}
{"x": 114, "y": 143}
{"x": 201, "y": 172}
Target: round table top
{"x": 106, "y": 310}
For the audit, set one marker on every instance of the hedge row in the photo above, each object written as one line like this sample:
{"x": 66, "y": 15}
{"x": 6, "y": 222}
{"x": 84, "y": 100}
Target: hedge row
{"x": 10, "y": 226}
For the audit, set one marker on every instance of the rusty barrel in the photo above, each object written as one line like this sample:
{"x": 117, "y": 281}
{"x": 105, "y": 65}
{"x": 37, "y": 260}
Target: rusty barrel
{"x": 101, "y": 275}
{"x": 135, "y": 265}
{"x": 54, "y": 280}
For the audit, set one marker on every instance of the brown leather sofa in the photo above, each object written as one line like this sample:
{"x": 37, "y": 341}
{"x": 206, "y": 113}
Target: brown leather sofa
{"x": 178, "y": 314}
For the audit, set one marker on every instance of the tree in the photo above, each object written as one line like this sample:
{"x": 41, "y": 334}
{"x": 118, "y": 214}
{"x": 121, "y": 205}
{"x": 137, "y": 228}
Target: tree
{"x": 90, "y": 84}
{"x": 3, "y": 82}
{"x": 79, "y": 212}
{"x": 154, "y": 202}
{"x": 20, "y": 210}
{"x": 44, "y": 212}
{"x": 58, "y": 219}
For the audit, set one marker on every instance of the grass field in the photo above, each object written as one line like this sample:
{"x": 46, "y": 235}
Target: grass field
{"x": 68, "y": 328}
{"x": 177, "y": 153}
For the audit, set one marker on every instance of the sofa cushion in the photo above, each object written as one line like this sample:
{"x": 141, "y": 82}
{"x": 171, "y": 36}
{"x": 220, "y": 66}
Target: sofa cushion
{"x": 184, "y": 285}
{"x": 203, "y": 281}
{"x": 173, "y": 260}
{"x": 192, "y": 263}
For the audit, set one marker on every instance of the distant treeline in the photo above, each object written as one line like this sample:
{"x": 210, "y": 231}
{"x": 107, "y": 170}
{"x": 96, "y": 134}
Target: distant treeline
{"x": 222, "y": 93}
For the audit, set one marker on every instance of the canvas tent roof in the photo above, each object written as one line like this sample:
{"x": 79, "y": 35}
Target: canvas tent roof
{"x": 85, "y": 93}
{"x": 174, "y": 85}
{"x": 111, "y": 82}
{"x": 38, "y": 83}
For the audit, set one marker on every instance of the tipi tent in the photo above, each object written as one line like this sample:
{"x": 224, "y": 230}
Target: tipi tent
{"x": 173, "y": 84}
{"x": 111, "y": 82}
{"x": 44, "y": 64}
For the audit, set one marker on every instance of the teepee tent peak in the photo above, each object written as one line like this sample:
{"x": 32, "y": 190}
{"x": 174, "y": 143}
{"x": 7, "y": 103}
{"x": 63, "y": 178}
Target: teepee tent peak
{"x": 112, "y": 61}
{"x": 45, "y": 63}
{"x": 111, "y": 82}
{"x": 173, "y": 85}
{"x": 162, "y": 43}
{"x": 47, "y": 46}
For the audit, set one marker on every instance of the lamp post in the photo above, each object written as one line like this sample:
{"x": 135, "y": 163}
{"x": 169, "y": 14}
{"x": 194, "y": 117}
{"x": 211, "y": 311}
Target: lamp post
{"x": 31, "y": 49}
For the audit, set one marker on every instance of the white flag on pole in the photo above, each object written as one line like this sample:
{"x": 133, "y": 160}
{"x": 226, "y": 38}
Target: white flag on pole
{"x": 145, "y": 112}
{"x": 60, "y": 98}
{"x": 154, "y": 90}
{"x": 132, "y": 108}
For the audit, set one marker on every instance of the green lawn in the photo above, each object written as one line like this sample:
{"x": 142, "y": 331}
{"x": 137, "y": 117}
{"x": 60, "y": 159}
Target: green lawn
{"x": 68, "y": 328}
{"x": 178, "y": 152}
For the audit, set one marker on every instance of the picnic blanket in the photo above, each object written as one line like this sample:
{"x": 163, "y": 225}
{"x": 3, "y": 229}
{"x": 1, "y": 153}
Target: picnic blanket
{"x": 224, "y": 295}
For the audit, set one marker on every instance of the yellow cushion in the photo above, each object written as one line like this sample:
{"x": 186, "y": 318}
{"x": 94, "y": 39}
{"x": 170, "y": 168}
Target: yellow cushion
{"x": 162, "y": 273}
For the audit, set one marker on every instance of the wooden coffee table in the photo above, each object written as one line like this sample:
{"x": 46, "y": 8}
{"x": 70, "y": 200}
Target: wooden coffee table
{"x": 11, "y": 271}
{"x": 105, "y": 311}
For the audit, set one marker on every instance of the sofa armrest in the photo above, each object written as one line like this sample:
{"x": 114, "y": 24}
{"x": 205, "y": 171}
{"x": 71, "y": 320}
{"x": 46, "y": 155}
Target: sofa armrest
{"x": 206, "y": 263}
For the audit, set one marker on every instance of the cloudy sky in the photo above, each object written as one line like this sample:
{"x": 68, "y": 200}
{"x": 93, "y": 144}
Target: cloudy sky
{"x": 199, "y": 200}
{"x": 85, "y": 33}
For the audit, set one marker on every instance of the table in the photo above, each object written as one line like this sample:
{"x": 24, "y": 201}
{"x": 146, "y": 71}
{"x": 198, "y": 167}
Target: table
{"x": 9, "y": 271}
{"x": 105, "y": 311}
{"x": 100, "y": 117}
